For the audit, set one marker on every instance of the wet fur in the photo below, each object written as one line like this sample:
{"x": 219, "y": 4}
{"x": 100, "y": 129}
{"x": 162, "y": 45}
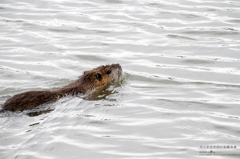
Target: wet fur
{"x": 88, "y": 82}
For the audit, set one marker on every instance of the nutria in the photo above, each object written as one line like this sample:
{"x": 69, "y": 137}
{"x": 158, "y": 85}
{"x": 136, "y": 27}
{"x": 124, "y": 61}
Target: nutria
{"x": 85, "y": 84}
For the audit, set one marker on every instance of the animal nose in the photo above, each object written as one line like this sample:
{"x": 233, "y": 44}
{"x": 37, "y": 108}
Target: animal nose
{"x": 118, "y": 65}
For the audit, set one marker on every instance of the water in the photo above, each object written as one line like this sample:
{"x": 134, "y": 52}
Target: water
{"x": 180, "y": 91}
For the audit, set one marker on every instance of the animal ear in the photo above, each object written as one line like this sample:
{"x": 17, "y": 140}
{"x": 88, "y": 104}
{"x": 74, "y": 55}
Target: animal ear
{"x": 99, "y": 76}
{"x": 85, "y": 72}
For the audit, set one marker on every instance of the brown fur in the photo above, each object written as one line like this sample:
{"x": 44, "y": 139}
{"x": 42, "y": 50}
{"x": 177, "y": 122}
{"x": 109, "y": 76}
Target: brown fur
{"x": 85, "y": 84}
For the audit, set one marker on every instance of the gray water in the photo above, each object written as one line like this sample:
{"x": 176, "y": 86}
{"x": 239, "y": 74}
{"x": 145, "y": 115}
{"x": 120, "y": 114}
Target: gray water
{"x": 179, "y": 97}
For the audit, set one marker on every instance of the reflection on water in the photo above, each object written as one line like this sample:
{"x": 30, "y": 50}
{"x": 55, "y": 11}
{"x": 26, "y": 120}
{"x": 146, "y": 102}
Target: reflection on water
{"x": 37, "y": 112}
{"x": 180, "y": 91}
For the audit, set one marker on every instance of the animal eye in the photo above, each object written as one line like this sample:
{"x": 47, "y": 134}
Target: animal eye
{"x": 109, "y": 72}
{"x": 99, "y": 76}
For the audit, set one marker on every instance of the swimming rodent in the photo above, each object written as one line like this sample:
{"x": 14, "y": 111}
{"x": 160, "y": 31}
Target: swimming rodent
{"x": 85, "y": 84}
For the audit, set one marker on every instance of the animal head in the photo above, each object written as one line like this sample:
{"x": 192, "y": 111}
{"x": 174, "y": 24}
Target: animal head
{"x": 102, "y": 76}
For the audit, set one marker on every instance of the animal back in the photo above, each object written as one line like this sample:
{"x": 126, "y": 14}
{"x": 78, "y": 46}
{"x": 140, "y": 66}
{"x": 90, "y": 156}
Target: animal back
{"x": 28, "y": 100}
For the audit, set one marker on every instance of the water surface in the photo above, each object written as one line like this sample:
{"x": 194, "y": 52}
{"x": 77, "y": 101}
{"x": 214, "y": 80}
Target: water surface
{"x": 180, "y": 91}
